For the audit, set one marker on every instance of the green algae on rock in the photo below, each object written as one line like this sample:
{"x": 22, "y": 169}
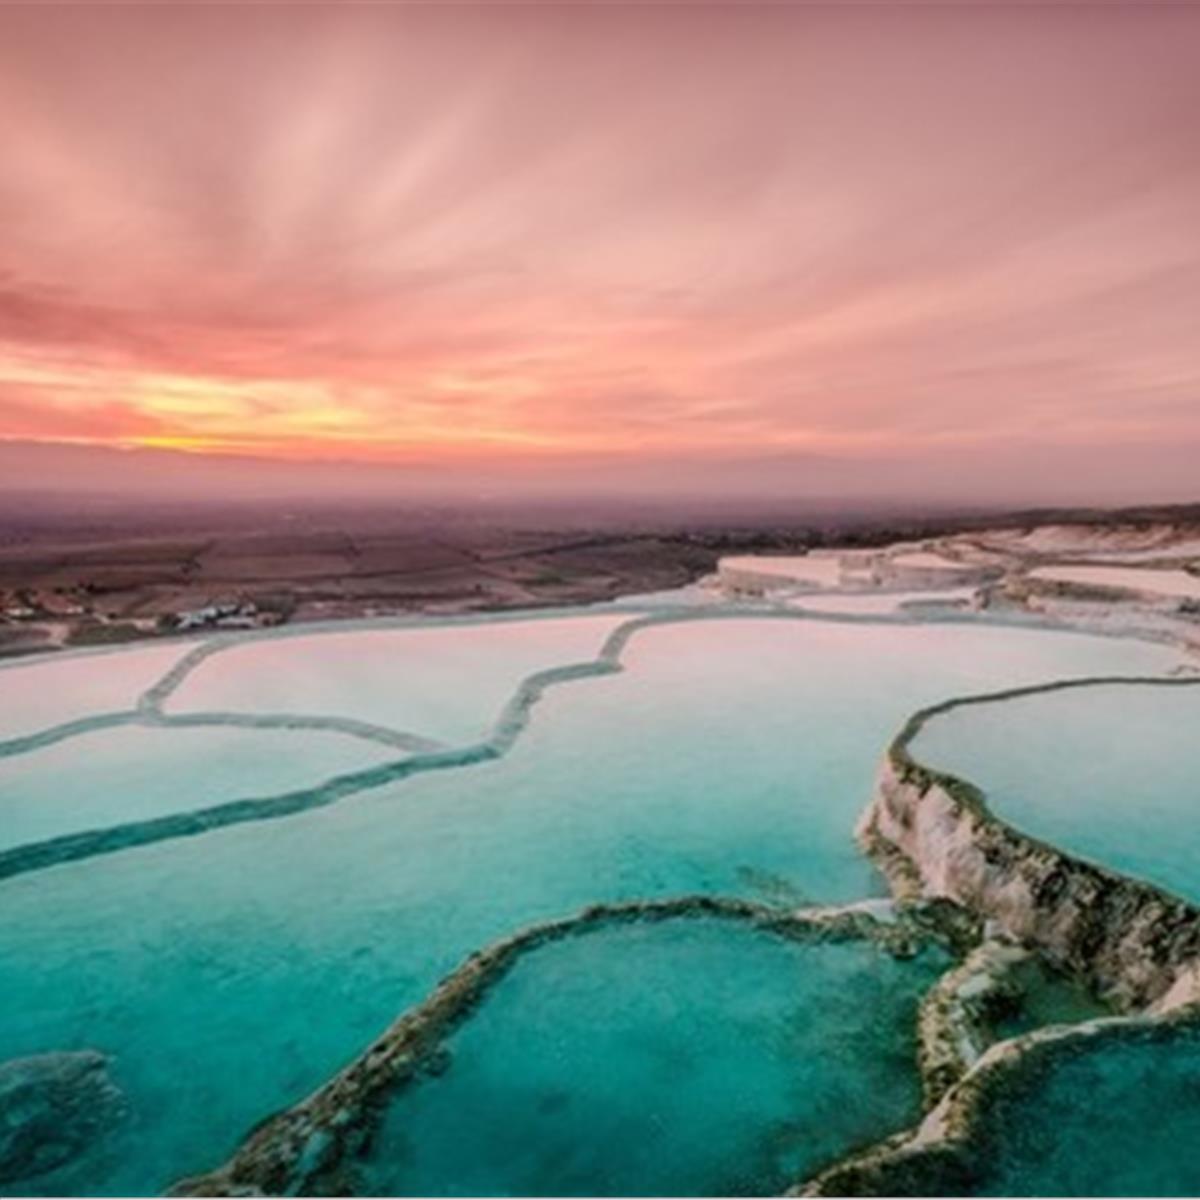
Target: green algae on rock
{"x": 53, "y": 1107}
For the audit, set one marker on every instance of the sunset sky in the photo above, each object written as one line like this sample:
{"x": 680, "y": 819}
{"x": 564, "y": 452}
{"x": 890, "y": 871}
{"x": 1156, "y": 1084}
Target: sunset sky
{"x": 634, "y": 235}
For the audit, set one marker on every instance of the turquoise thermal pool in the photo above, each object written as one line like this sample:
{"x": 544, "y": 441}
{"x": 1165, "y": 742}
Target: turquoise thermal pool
{"x": 110, "y": 776}
{"x": 1106, "y": 1116}
{"x": 230, "y": 973}
{"x": 682, "y": 1057}
{"x": 1108, "y": 772}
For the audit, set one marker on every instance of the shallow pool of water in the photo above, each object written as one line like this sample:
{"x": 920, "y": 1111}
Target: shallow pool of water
{"x": 443, "y": 681}
{"x": 1119, "y": 1118}
{"x": 885, "y": 602}
{"x": 1111, "y": 773}
{"x": 53, "y": 689}
{"x": 681, "y": 1058}
{"x": 113, "y": 776}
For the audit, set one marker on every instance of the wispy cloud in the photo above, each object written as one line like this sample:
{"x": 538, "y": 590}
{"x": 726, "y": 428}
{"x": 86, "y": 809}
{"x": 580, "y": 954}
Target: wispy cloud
{"x": 372, "y": 232}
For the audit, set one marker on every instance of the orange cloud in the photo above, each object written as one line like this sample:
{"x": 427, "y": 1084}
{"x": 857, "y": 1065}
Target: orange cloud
{"x": 529, "y": 233}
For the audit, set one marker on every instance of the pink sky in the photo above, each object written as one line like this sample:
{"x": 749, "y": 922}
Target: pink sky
{"x": 619, "y": 234}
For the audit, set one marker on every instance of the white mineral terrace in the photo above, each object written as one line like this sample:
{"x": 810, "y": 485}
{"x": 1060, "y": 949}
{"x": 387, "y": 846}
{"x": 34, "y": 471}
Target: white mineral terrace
{"x": 1097, "y": 541}
{"x": 799, "y": 570}
{"x": 927, "y": 560}
{"x": 1138, "y": 579}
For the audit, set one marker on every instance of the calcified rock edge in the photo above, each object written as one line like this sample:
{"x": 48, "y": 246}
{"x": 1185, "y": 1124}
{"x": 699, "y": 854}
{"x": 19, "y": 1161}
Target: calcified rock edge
{"x": 1129, "y": 942}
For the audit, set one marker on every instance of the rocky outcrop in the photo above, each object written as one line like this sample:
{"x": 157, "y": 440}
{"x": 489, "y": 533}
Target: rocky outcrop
{"x": 954, "y": 1026}
{"x": 52, "y": 1108}
{"x": 933, "y": 833}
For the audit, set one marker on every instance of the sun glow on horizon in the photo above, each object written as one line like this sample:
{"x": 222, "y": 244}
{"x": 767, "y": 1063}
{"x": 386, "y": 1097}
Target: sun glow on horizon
{"x": 462, "y": 242}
